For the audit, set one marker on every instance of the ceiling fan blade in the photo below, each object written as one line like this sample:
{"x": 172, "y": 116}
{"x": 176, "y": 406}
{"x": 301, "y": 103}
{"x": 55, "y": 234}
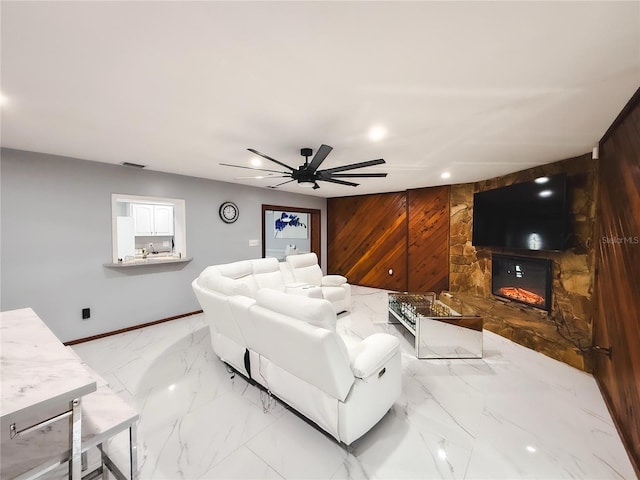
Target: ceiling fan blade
{"x": 252, "y": 168}
{"x": 352, "y": 166}
{"x": 283, "y": 183}
{"x": 270, "y": 159}
{"x": 341, "y": 182}
{"x": 260, "y": 177}
{"x": 319, "y": 157}
{"x": 357, "y": 175}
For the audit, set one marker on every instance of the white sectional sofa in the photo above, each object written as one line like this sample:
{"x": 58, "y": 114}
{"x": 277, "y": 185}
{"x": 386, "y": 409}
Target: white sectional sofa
{"x": 285, "y": 340}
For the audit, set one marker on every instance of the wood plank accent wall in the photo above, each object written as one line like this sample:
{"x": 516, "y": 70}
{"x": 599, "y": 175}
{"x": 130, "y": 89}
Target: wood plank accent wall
{"x": 366, "y": 236}
{"x": 428, "y": 236}
{"x": 617, "y": 284}
{"x": 407, "y": 231}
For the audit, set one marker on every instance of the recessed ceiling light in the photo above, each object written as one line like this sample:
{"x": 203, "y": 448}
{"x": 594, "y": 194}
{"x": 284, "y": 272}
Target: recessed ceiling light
{"x": 256, "y": 162}
{"x": 445, "y": 175}
{"x": 377, "y": 132}
{"x": 541, "y": 180}
{"x": 546, "y": 193}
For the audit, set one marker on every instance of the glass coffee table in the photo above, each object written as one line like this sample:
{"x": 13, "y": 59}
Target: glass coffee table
{"x": 438, "y": 330}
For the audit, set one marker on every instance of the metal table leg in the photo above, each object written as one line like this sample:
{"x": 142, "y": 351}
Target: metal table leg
{"x": 133, "y": 450}
{"x": 75, "y": 440}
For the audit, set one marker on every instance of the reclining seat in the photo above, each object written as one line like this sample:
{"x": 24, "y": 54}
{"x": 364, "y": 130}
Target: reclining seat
{"x": 266, "y": 273}
{"x": 213, "y": 288}
{"x": 297, "y": 355}
{"x": 335, "y": 288}
{"x": 270, "y": 273}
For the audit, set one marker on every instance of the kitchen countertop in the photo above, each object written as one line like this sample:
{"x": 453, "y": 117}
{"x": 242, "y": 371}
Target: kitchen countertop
{"x": 150, "y": 260}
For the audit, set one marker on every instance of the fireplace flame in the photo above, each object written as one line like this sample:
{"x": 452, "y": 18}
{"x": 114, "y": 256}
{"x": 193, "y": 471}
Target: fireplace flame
{"x": 522, "y": 295}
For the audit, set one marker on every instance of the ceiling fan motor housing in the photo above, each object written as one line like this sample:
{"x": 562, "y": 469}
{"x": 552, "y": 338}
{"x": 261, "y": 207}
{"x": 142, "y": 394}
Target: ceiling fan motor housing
{"x": 302, "y": 175}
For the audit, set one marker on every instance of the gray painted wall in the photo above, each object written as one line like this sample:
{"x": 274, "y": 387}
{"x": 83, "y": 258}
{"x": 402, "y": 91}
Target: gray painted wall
{"x": 56, "y": 236}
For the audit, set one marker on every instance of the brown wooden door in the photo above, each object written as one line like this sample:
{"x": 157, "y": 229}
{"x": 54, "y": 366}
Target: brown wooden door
{"x": 617, "y": 282}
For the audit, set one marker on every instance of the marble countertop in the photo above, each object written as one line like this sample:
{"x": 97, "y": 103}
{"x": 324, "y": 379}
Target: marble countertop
{"x": 139, "y": 262}
{"x": 108, "y": 415}
{"x": 37, "y": 371}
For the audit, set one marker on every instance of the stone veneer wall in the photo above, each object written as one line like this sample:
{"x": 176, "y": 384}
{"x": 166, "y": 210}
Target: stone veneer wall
{"x": 565, "y": 332}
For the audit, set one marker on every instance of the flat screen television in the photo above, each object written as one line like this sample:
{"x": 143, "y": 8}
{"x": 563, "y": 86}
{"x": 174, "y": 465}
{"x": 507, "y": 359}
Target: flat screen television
{"x": 524, "y": 216}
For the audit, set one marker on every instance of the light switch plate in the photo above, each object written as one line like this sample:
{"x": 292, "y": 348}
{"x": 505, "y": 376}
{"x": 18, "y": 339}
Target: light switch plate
{"x": 253, "y": 243}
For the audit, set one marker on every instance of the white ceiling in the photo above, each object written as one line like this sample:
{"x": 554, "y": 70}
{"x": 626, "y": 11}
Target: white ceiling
{"x": 479, "y": 89}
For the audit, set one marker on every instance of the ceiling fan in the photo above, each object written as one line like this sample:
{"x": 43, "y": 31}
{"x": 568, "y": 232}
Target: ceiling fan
{"x": 308, "y": 175}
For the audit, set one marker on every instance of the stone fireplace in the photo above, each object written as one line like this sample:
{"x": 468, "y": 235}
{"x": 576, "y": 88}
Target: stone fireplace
{"x": 522, "y": 279}
{"x": 562, "y": 330}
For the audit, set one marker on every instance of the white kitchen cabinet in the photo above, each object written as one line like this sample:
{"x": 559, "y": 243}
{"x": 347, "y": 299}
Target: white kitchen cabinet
{"x": 152, "y": 220}
{"x": 163, "y": 219}
{"x": 142, "y": 219}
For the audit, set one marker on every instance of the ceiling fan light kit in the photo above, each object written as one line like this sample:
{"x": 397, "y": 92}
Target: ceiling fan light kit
{"x": 308, "y": 175}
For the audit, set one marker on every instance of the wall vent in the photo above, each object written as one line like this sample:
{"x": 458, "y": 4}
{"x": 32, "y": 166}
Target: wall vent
{"x": 129, "y": 164}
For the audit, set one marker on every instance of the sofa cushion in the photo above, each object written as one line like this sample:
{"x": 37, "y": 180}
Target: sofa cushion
{"x": 333, "y": 280}
{"x": 218, "y": 314}
{"x": 229, "y": 286}
{"x": 230, "y": 279}
{"x": 333, "y": 294}
{"x": 302, "y": 260}
{"x": 287, "y": 274}
{"x": 305, "y": 268}
{"x": 265, "y": 265}
{"x": 314, "y": 311}
{"x": 236, "y": 269}
{"x": 267, "y": 274}
{"x": 251, "y": 285}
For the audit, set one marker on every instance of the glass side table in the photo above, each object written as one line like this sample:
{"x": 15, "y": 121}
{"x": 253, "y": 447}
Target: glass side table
{"x": 439, "y": 331}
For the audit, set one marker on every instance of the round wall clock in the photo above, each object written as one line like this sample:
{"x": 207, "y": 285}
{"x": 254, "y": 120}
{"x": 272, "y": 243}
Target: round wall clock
{"x": 229, "y": 212}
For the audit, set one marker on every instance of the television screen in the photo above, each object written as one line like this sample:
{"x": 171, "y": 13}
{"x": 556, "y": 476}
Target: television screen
{"x": 525, "y": 216}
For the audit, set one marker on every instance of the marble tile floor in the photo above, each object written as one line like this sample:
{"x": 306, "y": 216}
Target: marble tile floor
{"x": 513, "y": 414}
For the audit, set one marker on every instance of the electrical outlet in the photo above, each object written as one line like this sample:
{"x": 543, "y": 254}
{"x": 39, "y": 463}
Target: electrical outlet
{"x": 86, "y": 313}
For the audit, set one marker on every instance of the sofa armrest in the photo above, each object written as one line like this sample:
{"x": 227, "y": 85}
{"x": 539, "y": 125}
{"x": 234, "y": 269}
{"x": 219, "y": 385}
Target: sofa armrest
{"x": 369, "y": 356}
{"x": 333, "y": 280}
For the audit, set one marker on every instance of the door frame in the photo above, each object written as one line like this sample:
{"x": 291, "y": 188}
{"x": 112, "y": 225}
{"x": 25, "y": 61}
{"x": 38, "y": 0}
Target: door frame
{"x": 314, "y": 228}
